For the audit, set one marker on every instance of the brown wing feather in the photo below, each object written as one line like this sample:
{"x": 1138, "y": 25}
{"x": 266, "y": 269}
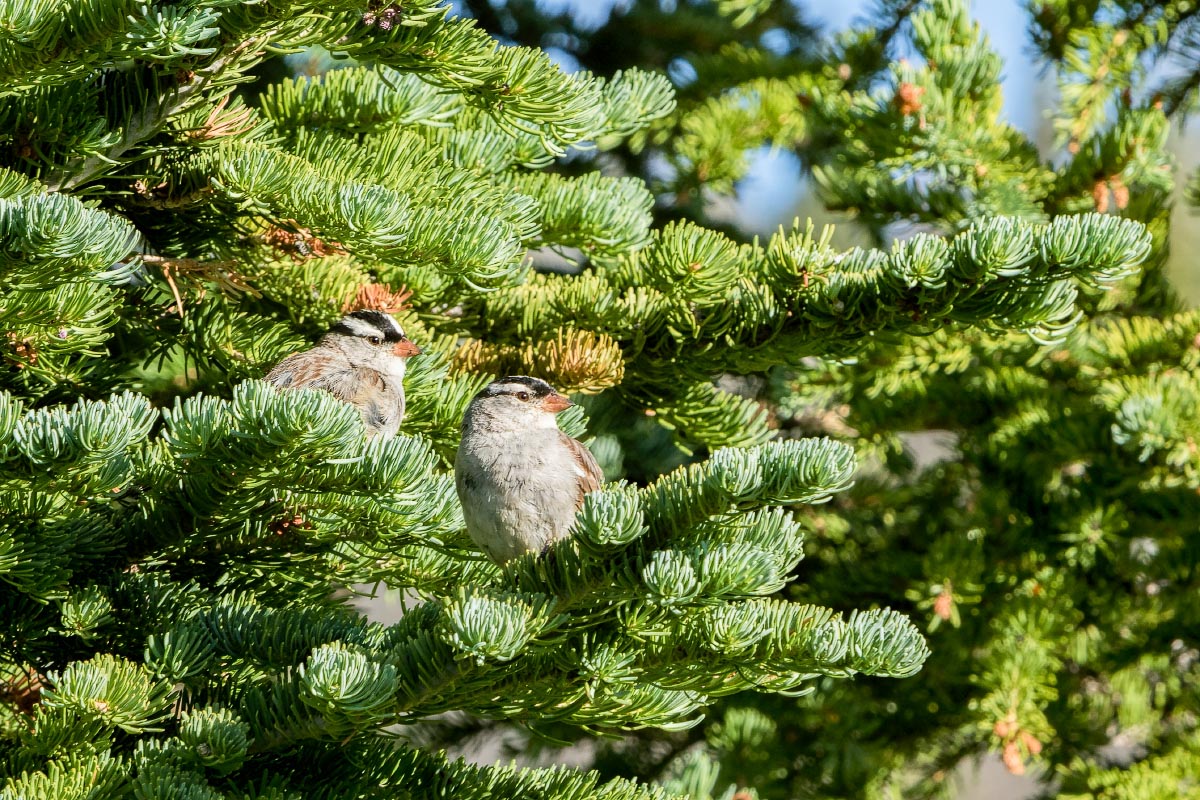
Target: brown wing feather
{"x": 346, "y": 383}
{"x": 591, "y": 476}
{"x": 362, "y": 387}
{"x": 300, "y": 371}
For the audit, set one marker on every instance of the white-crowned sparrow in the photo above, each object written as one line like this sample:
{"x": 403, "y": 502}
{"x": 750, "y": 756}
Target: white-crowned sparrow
{"x": 520, "y": 479}
{"x": 361, "y": 361}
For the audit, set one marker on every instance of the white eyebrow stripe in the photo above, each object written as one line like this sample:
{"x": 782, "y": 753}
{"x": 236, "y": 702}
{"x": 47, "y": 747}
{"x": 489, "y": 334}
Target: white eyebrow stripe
{"x": 360, "y": 328}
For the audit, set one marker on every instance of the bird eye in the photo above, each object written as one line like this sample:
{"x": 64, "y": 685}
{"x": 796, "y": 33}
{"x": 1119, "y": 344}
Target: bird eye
{"x": 522, "y": 396}
{"x": 374, "y": 339}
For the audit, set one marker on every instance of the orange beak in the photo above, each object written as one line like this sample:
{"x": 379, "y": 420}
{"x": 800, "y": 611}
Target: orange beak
{"x": 406, "y": 347}
{"x": 555, "y": 403}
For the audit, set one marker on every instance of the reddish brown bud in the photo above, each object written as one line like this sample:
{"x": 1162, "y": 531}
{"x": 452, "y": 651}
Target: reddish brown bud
{"x": 379, "y": 297}
{"x": 908, "y": 98}
{"x": 1012, "y": 759}
{"x": 1120, "y": 192}
{"x": 1100, "y": 196}
{"x": 943, "y": 605}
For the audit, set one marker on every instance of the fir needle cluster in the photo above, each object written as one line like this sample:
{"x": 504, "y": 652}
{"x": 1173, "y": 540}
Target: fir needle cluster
{"x": 173, "y": 527}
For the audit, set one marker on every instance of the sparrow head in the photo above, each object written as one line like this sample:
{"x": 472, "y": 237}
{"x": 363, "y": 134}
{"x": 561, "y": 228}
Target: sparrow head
{"x": 531, "y": 401}
{"x": 372, "y": 335}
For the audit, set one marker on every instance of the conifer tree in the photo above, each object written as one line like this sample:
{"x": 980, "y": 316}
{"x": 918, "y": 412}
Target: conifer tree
{"x": 1049, "y": 550}
{"x": 176, "y": 533}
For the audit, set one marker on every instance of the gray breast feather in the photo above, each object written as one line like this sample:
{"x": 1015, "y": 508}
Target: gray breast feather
{"x": 518, "y": 496}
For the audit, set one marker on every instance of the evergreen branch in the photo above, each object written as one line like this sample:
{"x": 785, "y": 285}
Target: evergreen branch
{"x": 148, "y": 121}
{"x": 173, "y": 624}
{"x": 689, "y": 294}
{"x": 437, "y": 777}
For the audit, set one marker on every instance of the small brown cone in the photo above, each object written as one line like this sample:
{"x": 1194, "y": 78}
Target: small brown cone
{"x": 908, "y": 98}
{"x": 1120, "y": 192}
{"x": 1100, "y": 196}
{"x": 1031, "y": 743}
{"x": 943, "y": 604}
{"x": 1012, "y": 758}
